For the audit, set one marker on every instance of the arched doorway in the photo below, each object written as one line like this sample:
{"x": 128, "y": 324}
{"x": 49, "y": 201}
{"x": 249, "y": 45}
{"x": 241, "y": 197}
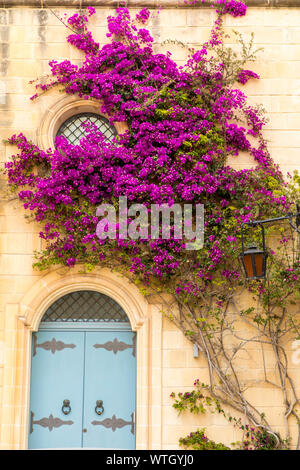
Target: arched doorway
{"x": 83, "y": 375}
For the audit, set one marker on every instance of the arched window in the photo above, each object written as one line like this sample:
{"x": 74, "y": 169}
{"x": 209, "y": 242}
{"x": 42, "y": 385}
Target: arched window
{"x": 73, "y": 130}
{"x": 85, "y": 306}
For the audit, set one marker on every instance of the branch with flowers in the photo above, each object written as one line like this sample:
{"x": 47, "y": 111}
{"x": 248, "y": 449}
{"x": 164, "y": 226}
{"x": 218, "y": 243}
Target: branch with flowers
{"x": 183, "y": 123}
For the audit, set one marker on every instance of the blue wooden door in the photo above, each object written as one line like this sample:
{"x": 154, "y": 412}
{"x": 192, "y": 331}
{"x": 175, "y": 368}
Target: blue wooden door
{"x": 83, "y": 390}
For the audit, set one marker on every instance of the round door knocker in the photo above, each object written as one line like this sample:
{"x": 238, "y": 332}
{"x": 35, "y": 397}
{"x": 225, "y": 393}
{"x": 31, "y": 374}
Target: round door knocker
{"x": 99, "y": 408}
{"x": 66, "y": 409}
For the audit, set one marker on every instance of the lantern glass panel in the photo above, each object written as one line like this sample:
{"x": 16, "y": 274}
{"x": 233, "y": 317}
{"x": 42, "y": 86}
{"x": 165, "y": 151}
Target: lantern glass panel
{"x": 248, "y": 265}
{"x": 259, "y": 262}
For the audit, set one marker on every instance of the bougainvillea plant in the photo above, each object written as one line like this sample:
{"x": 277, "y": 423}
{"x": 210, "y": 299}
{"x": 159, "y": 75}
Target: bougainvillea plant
{"x": 199, "y": 401}
{"x": 182, "y": 124}
{"x": 199, "y": 441}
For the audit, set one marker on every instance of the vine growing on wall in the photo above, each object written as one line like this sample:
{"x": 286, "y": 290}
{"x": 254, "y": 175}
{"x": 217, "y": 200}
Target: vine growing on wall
{"x": 182, "y": 124}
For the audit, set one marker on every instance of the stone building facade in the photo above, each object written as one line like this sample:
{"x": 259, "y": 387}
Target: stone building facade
{"x": 31, "y": 35}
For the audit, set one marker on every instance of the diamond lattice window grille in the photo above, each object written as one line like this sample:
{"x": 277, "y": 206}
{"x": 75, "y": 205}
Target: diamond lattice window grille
{"x": 85, "y": 306}
{"x": 73, "y": 130}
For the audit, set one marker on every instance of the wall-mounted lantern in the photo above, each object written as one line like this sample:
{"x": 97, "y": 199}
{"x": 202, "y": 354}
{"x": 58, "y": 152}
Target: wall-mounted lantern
{"x": 254, "y": 259}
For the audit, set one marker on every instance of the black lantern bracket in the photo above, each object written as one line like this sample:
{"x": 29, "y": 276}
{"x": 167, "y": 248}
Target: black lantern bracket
{"x": 288, "y": 217}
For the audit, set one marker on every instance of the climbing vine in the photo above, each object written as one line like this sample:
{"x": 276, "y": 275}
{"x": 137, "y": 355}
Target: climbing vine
{"x": 182, "y": 124}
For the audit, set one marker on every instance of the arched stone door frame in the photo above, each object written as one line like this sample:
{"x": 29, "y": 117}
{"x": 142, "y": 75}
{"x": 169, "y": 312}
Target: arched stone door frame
{"x": 24, "y": 318}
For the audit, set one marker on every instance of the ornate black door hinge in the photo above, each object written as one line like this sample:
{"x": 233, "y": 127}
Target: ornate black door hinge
{"x": 52, "y": 345}
{"x": 49, "y": 423}
{"x": 115, "y": 423}
{"x": 117, "y": 345}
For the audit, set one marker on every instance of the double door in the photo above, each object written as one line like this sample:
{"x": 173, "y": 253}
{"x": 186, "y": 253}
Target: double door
{"x": 83, "y": 390}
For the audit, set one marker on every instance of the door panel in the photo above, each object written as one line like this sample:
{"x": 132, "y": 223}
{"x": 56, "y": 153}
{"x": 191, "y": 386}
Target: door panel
{"x": 110, "y": 376}
{"x": 56, "y": 375}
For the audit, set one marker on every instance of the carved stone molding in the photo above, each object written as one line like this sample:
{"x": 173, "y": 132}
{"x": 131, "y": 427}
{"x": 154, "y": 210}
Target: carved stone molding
{"x": 135, "y": 3}
{"x": 52, "y": 286}
{"x": 63, "y": 109}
